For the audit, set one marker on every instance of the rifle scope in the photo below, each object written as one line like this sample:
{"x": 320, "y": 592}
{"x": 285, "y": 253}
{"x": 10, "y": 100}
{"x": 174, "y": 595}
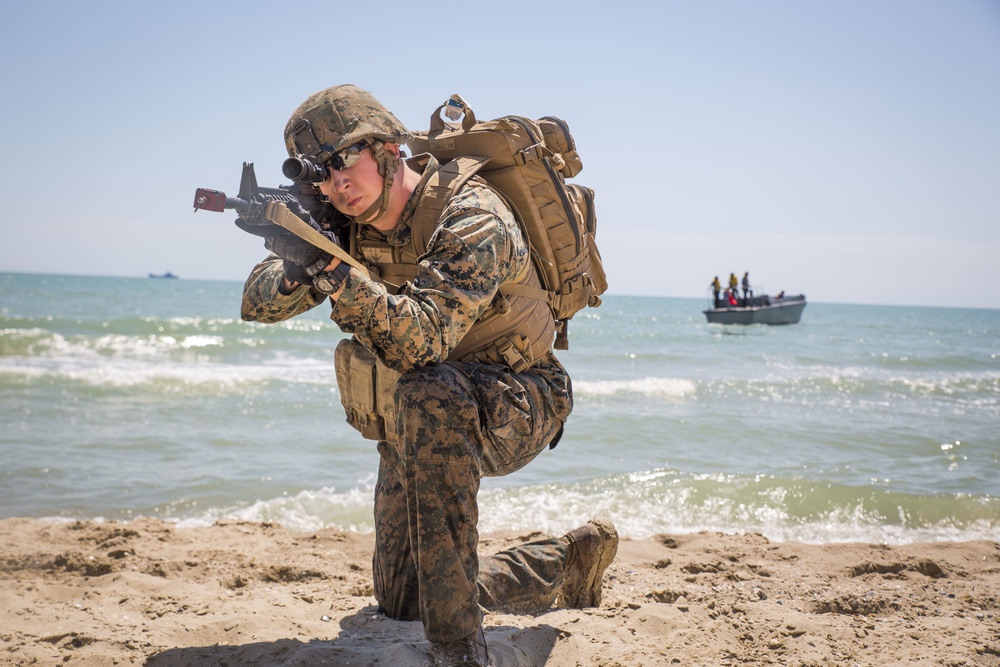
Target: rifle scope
{"x": 304, "y": 170}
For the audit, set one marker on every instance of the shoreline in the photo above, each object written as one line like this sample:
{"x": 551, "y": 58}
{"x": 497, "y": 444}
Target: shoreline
{"x": 150, "y": 593}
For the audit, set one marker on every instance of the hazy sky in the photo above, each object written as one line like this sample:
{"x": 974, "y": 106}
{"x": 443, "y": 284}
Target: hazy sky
{"x": 849, "y": 150}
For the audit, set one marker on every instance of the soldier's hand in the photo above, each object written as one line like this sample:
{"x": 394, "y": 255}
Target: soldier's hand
{"x": 254, "y": 222}
{"x": 258, "y": 226}
{"x": 289, "y": 247}
{"x": 312, "y": 203}
{"x": 296, "y": 273}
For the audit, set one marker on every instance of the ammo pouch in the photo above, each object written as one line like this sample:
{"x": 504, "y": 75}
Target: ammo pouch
{"x": 367, "y": 391}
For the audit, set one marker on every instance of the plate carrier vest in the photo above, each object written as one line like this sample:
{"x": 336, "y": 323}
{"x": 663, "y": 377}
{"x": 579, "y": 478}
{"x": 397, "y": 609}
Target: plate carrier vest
{"x": 528, "y": 163}
{"x": 515, "y": 330}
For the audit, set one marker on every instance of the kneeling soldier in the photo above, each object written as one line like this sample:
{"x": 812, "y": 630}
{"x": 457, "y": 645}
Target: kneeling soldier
{"x": 461, "y": 369}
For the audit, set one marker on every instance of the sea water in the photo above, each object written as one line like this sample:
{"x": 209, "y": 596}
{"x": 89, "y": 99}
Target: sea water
{"x": 124, "y": 398}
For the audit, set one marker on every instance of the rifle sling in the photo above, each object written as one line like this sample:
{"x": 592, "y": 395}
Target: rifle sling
{"x": 279, "y": 214}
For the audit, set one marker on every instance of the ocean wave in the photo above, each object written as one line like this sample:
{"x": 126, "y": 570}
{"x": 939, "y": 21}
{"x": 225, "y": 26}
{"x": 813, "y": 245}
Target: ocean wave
{"x": 36, "y": 342}
{"x": 647, "y": 503}
{"x": 164, "y": 375}
{"x": 819, "y": 388}
{"x": 191, "y": 359}
{"x": 649, "y": 386}
{"x": 25, "y": 341}
{"x": 306, "y": 511}
{"x": 835, "y": 387}
{"x": 664, "y": 501}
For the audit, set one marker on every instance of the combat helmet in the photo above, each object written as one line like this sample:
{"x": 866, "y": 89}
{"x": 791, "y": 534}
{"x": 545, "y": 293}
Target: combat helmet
{"x": 337, "y": 118}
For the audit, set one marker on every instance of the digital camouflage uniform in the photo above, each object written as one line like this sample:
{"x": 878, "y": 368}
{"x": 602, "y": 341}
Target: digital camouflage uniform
{"x": 456, "y": 421}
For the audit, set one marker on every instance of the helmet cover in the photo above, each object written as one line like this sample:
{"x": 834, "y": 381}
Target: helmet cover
{"x": 337, "y": 118}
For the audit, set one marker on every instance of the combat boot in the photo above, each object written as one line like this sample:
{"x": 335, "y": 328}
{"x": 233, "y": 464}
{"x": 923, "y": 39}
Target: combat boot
{"x": 591, "y": 549}
{"x": 469, "y": 651}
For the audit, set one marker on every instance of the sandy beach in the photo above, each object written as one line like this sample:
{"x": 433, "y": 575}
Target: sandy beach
{"x": 237, "y": 593}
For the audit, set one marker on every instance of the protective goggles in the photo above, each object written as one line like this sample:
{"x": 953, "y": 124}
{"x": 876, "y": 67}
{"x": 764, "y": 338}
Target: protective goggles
{"x": 346, "y": 158}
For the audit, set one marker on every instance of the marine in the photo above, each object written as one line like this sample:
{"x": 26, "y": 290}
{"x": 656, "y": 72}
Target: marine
{"x": 447, "y": 369}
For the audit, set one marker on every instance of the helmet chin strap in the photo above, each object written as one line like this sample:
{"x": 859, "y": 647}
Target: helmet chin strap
{"x": 388, "y": 164}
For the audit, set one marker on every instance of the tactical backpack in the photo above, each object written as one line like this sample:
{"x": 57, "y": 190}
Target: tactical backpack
{"x": 527, "y": 162}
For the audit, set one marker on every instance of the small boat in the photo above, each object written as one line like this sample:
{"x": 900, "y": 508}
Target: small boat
{"x": 162, "y": 275}
{"x": 764, "y": 309}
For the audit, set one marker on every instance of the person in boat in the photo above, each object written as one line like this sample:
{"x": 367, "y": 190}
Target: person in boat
{"x": 731, "y": 298}
{"x": 734, "y": 284}
{"x": 459, "y": 415}
{"x": 716, "y": 288}
{"x": 746, "y": 286}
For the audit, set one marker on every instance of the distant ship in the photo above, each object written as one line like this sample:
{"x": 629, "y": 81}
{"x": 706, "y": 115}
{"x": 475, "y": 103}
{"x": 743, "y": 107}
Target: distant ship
{"x": 163, "y": 275}
{"x": 764, "y": 309}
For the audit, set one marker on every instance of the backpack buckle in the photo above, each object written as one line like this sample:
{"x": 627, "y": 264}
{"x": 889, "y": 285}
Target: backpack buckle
{"x": 512, "y": 357}
{"x": 531, "y": 154}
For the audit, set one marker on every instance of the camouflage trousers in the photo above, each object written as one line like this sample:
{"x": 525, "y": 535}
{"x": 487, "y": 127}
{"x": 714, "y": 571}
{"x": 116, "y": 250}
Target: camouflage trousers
{"x": 457, "y": 423}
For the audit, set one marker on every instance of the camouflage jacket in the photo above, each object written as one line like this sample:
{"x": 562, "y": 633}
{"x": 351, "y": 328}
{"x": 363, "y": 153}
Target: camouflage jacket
{"x": 477, "y": 247}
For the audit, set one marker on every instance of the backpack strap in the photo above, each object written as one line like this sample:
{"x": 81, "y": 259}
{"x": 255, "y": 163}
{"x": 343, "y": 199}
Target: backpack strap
{"x": 515, "y": 289}
{"x": 441, "y": 187}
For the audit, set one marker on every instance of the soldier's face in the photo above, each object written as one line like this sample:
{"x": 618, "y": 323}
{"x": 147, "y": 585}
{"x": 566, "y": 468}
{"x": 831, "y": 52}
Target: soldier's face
{"x": 354, "y": 189}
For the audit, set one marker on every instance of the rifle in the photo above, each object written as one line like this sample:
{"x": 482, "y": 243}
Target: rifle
{"x": 270, "y": 205}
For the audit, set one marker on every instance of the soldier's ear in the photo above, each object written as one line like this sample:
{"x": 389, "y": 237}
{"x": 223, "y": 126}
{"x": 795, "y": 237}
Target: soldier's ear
{"x": 392, "y": 148}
